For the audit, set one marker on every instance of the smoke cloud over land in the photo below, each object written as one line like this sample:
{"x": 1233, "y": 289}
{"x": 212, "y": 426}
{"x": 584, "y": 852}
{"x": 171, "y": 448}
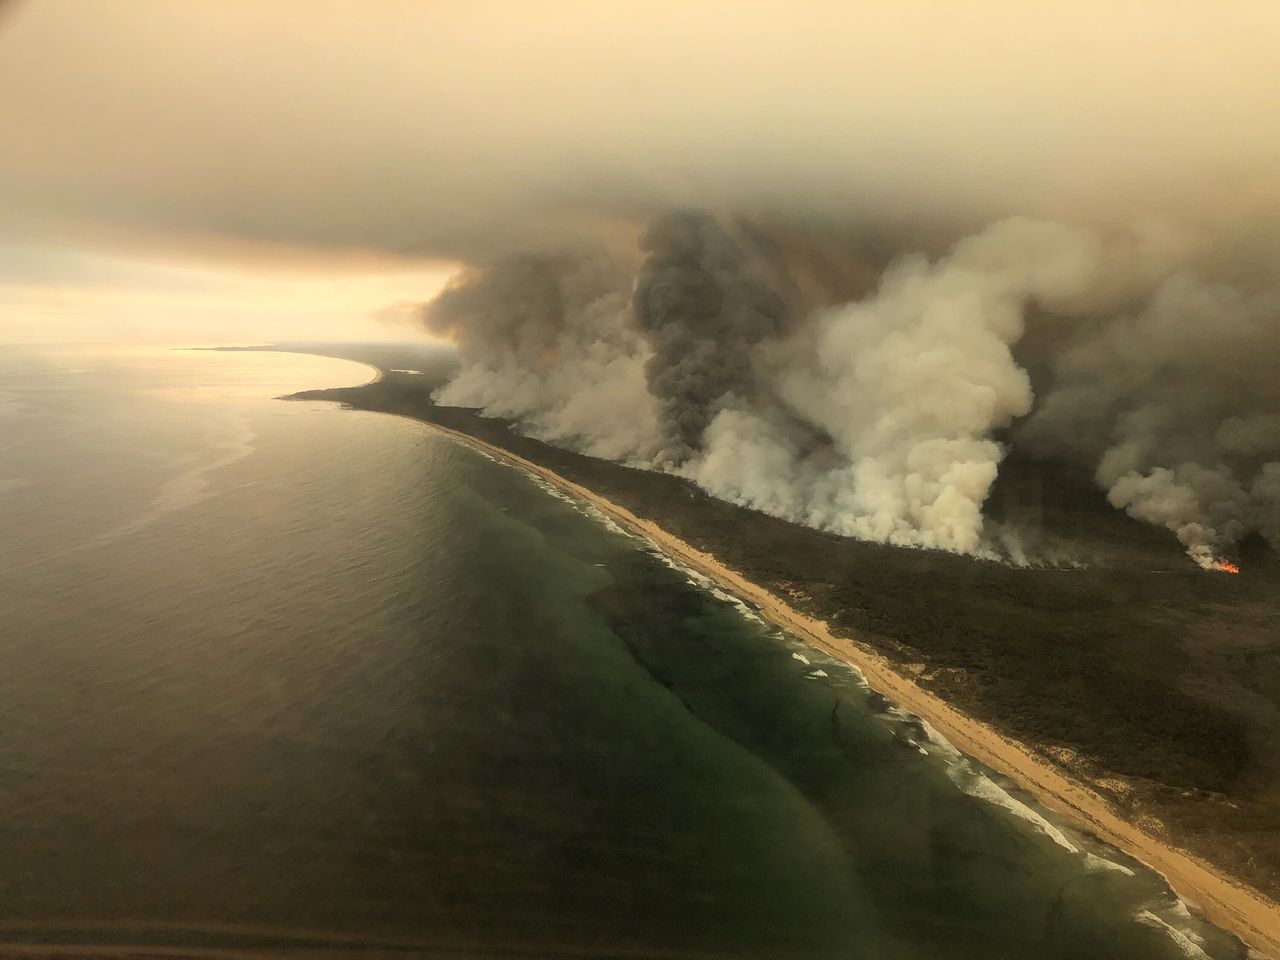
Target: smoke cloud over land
{"x": 836, "y": 264}
{"x": 882, "y": 416}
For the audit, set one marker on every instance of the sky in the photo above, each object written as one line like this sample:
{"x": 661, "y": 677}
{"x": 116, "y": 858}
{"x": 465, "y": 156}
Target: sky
{"x": 67, "y": 292}
{"x": 224, "y": 170}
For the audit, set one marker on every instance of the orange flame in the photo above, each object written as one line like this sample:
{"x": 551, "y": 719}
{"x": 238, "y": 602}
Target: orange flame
{"x": 1225, "y": 566}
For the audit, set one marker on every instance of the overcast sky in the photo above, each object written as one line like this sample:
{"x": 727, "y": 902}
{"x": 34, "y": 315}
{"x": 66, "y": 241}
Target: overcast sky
{"x": 213, "y": 169}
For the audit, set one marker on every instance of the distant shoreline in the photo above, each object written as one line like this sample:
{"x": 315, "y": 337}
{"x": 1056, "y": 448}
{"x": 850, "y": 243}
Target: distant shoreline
{"x": 1224, "y": 901}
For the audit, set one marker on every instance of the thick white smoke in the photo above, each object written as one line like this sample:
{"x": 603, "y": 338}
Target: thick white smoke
{"x": 886, "y": 418}
{"x": 550, "y": 344}
{"x": 908, "y": 385}
{"x": 453, "y": 132}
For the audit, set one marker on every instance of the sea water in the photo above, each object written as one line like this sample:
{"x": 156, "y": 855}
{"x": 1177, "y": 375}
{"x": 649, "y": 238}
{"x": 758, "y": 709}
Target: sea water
{"x": 278, "y": 674}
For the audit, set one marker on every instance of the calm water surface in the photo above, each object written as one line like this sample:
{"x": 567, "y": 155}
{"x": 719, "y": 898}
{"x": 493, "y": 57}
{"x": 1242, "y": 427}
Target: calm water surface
{"x": 281, "y": 675}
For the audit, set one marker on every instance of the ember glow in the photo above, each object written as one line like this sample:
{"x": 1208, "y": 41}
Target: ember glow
{"x": 1224, "y": 566}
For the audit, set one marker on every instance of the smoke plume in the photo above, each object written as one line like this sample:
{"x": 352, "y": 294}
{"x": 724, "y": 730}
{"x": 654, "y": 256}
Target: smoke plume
{"x": 908, "y": 386}
{"x": 886, "y": 416}
{"x": 549, "y": 342}
{"x": 1177, "y": 405}
{"x": 944, "y": 235}
{"x": 702, "y": 308}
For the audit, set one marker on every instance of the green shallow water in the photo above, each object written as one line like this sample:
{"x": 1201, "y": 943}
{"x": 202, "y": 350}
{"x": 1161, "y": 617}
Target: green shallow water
{"x": 280, "y": 675}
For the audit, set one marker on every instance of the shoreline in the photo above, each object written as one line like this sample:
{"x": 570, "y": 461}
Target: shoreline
{"x": 1227, "y": 903}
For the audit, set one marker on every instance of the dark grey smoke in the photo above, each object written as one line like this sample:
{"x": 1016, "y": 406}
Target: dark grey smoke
{"x": 703, "y": 303}
{"x": 513, "y": 306}
{"x": 876, "y": 413}
{"x": 1176, "y": 405}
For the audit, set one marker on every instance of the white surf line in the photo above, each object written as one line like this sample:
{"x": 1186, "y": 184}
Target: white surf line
{"x": 1185, "y": 941}
{"x": 1235, "y": 907}
{"x": 970, "y": 781}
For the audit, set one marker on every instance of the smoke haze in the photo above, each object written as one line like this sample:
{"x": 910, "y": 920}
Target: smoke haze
{"x": 836, "y": 263}
{"x": 472, "y": 130}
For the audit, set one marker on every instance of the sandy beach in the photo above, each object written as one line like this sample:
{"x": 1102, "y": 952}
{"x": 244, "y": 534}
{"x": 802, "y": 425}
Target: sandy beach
{"x": 1224, "y": 901}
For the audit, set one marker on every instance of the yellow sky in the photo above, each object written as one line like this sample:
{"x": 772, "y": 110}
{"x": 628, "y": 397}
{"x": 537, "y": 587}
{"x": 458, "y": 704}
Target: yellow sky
{"x": 336, "y": 156}
{"x": 153, "y": 301}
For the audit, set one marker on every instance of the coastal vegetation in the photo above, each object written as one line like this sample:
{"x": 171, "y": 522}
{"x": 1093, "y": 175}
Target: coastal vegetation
{"x": 1149, "y": 679}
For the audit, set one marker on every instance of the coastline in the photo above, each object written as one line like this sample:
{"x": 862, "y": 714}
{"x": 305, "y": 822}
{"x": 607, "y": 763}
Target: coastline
{"x": 1225, "y": 902}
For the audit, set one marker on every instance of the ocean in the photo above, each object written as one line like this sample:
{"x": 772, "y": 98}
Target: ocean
{"x": 278, "y": 675}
